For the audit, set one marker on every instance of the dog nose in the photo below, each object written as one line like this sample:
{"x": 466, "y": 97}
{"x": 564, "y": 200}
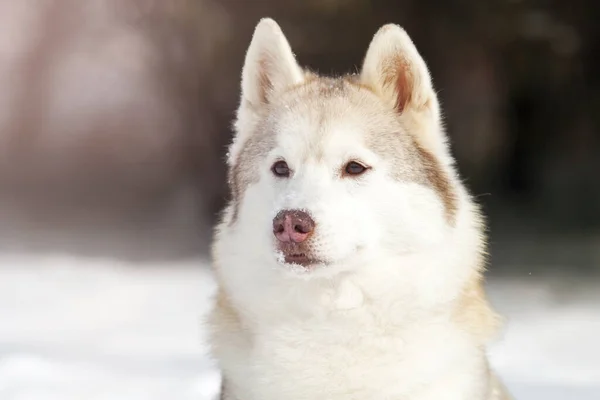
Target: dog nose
{"x": 293, "y": 226}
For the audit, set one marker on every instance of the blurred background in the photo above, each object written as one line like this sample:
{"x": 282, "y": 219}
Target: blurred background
{"x": 115, "y": 116}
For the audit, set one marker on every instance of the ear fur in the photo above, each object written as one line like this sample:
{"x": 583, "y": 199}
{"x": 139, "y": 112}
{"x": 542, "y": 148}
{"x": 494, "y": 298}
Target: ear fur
{"x": 395, "y": 70}
{"x": 269, "y": 67}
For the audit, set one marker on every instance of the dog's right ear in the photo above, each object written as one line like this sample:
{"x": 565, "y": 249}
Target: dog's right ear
{"x": 269, "y": 67}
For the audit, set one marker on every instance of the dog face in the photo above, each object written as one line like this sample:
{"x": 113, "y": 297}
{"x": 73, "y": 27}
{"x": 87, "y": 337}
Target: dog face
{"x": 332, "y": 173}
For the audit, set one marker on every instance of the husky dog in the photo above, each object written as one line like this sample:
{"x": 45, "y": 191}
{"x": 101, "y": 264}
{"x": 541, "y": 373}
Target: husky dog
{"x": 349, "y": 260}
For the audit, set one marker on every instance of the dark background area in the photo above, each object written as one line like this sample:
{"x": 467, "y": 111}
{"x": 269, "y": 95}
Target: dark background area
{"x": 116, "y": 115}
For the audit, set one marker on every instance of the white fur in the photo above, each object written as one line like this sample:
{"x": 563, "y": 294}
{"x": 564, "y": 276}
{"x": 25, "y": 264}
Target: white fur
{"x": 392, "y": 44}
{"x": 376, "y": 322}
{"x": 270, "y": 55}
{"x": 381, "y": 330}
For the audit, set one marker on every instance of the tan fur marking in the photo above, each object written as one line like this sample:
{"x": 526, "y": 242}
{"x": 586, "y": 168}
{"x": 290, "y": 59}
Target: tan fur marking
{"x": 228, "y": 318}
{"x": 264, "y": 82}
{"x": 225, "y": 330}
{"x": 439, "y": 180}
{"x": 474, "y": 312}
{"x": 411, "y": 162}
{"x": 244, "y": 171}
{"x": 397, "y": 74}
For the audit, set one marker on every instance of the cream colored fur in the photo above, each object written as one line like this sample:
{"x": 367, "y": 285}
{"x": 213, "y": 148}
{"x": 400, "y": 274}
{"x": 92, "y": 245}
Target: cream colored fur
{"x": 396, "y": 310}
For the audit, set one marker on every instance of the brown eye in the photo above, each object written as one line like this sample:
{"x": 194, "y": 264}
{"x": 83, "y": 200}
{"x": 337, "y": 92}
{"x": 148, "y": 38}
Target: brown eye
{"x": 281, "y": 169}
{"x": 354, "y": 168}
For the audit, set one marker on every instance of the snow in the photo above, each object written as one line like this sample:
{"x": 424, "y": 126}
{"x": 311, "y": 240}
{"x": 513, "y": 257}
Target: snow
{"x": 94, "y": 329}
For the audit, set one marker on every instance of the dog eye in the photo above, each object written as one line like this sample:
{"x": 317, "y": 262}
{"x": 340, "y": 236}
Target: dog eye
{"x": 354, "y": 168}
{"x": 281, "y": 169}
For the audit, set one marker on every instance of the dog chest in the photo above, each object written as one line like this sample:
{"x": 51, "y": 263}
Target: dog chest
{"x": 338, "y": 361}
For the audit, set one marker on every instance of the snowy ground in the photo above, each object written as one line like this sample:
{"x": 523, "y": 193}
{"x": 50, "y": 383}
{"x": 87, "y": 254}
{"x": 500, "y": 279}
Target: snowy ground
{"x": 99, "y": 330}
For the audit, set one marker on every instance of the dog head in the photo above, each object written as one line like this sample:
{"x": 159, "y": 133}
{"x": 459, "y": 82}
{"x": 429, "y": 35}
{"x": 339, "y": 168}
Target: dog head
{"x": 332, "y": 173}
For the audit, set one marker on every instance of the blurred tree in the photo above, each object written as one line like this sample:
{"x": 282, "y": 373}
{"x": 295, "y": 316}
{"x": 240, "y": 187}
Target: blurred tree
{"x": 518, "y": 81}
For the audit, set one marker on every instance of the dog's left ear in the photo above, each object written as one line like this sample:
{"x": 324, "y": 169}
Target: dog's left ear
{"x": 394, "y": 70}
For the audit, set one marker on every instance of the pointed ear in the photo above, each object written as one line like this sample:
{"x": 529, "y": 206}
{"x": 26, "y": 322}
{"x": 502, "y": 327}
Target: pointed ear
{"x": 396, "y": 71}
{"x": 270, "y": 65}
{"x": 269, "y": 68}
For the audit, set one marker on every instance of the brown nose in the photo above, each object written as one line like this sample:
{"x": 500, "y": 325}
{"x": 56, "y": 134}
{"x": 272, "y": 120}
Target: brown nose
{"x": 292, "y": 226}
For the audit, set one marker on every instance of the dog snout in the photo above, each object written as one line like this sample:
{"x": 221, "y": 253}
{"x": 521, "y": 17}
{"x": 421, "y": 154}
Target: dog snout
{"x": 293, "y": 226}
